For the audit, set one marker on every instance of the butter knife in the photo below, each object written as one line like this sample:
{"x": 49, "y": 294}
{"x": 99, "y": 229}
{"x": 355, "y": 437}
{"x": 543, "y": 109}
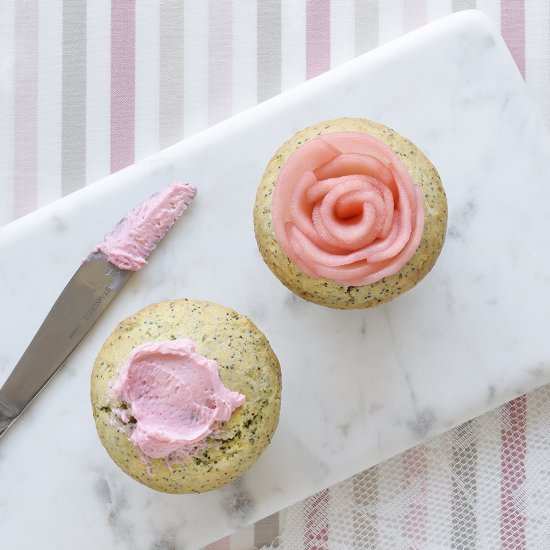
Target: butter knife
{"x": 91, "y": 289}
{"x": 80, "y": 304}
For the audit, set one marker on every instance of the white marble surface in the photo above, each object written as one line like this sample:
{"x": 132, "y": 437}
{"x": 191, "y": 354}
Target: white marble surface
{"x": 358, "y": 387}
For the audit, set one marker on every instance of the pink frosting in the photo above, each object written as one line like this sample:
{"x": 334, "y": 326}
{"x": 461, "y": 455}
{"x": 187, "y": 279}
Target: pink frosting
{"x": 129, "y": 244}
{"x": 346, "y": 209}
{"x": 174, "y": 395}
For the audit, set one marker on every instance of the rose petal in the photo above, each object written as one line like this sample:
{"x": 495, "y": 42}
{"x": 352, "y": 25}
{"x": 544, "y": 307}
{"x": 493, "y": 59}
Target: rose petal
{"x": 345, "y": 208}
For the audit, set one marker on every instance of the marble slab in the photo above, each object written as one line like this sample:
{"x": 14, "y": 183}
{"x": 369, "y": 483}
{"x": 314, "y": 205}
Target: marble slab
{"x": 359, "y": 386}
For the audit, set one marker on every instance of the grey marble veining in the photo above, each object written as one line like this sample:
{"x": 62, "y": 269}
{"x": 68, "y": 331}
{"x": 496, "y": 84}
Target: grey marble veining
{"x": 358, "y": 387}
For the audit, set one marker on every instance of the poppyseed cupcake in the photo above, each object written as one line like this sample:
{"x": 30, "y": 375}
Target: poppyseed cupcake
{"x": 350, "y": 214}
{"x": 186, "y": 395}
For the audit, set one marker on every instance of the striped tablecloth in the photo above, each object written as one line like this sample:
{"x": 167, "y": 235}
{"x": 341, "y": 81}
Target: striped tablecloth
{"x": 89, "y": 86}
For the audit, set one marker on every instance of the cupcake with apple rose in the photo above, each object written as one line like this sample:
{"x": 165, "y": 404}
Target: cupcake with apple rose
{"x": 350, "y": 214}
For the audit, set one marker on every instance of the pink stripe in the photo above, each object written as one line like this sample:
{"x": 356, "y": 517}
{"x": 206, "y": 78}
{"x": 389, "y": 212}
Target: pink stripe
{"x": 316, "y": 522}
{"x": 318, "y": 37}
{"x": 415, "y": 521}
{"x": 512, "y": 23}
{"x": 512, "y": 464}
{"x": 415, "y": 14}
{"x": 220, "y": 58}
{"x": 123, "y": 50}
{"x": 222, "y": 544}
{"x": 25, "y": 107}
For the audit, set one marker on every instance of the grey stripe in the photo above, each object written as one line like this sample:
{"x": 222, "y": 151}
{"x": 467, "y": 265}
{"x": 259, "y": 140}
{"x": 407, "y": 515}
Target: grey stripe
{"x": 367, "y": 16}
{"x": 266, "y": 531}
{"x": 25, "y": 107}
{"x": 464, "y": 489}
{"x": 364, "y": 508}
{"x": 73, "y": 130}
{"x": 463, "y": 5}
{"x": 269, "y": 48}
{"x": 171, "y": 72}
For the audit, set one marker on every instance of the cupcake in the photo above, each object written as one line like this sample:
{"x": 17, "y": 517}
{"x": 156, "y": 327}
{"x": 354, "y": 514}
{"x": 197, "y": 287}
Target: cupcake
{"x": 186, "y": 395}
{"x": 350, "y": 214}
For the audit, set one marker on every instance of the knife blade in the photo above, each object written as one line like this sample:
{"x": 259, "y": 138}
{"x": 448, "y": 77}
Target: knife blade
{"x": 86, "y": 296}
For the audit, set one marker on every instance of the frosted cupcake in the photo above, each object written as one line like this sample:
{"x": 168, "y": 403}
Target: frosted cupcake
{"x": 186, "y": 395}
{"x": 350, "y": 214}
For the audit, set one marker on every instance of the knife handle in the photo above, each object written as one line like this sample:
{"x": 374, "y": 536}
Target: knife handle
{"x": 4, "y": 425}
{"x": 7, "y": 416}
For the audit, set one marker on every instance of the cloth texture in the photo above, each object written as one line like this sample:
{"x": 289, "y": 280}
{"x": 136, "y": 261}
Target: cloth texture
{"x": 88, "y": 87}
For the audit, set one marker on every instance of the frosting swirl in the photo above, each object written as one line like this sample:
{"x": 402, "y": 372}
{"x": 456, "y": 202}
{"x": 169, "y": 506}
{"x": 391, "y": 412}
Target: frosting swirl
{"x": 346, "y": 209}
{"x": 131, "y": 242}
{"x": 174, "y": 395}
